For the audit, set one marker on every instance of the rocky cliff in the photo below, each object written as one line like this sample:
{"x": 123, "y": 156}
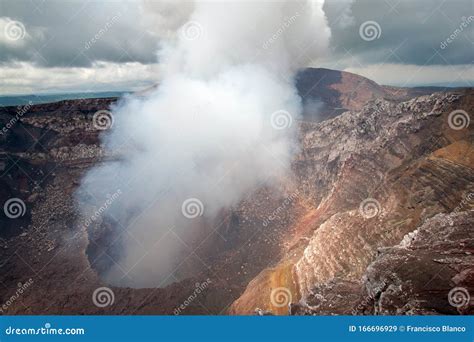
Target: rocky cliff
{"x": 369, "y": 178}
{"x": 376, "y": 217}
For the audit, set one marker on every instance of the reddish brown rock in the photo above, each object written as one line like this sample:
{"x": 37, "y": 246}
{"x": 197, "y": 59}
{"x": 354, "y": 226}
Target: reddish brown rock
{"x": 306, "y": 241}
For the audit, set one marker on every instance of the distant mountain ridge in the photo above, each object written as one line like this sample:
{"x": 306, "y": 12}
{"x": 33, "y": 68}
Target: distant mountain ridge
{"x": 20, "y": 100}
{"x": 337, "y": 91}
{"x": 340, "y": 91}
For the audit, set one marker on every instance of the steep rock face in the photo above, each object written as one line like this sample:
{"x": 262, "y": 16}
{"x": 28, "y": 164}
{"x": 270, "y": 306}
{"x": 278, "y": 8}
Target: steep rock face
{"x": 293, "y": 244}
{"x": 429, "y": 272}
{"x": 372, "y": 177}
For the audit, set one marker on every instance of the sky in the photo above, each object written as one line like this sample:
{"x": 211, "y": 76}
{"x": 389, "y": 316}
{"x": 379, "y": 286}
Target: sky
{"x": 49, "y": 46}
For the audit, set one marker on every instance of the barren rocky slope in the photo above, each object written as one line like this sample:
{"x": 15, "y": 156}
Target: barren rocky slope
{"x": 376, "y": 217}
{"x": 370, "y": 177}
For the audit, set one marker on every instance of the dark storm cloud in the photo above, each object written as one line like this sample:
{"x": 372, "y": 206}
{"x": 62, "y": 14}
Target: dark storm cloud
{"x": 73, "y": 45}
{"x": 77, "y": 33}
{"x": 411, "y": 31}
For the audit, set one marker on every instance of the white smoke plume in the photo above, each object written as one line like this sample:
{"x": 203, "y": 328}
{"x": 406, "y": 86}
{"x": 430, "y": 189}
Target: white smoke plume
{"x": 220, "y": 124}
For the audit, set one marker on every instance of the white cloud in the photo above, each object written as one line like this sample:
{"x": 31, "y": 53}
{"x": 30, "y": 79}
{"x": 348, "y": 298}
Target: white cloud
{"x": 26, "y": 78}
{"x": 104, "y": 45}
{"x": 415, "y": 75}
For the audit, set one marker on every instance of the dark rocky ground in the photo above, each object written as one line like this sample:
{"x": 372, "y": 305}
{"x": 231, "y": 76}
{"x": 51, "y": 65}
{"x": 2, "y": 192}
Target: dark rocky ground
{"x": 390, "y": 144}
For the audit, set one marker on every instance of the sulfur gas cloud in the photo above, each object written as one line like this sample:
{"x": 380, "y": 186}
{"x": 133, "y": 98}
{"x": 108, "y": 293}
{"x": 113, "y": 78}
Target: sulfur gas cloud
{"x": 221, "y": 123}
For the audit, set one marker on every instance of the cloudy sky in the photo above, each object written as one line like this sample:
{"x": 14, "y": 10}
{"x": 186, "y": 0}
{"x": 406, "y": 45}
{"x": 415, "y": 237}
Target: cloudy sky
{"x": 68, "y": 45}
